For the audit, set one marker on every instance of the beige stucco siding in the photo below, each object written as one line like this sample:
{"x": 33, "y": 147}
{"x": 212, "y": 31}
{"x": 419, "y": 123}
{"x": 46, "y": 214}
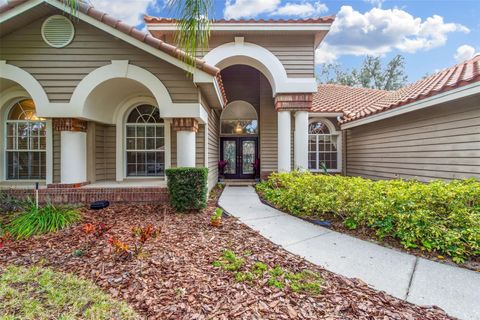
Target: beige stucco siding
{"x": 60, "y": 70}
{"x": 268, "y": 129}
{"x": 200, "y": 146}
{"x": 105, "y": 152}
{"x": 441, "y": 142}
{"x": 296, "y": 53}
{"x": 213, "y": 147}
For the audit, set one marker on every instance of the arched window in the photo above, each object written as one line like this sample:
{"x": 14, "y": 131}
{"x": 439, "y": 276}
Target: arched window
{"x": 26, "y": 141}
{"x": 145, "y": 142}
{"x": 323, "y": 147}
{"x": 239, "y": 118}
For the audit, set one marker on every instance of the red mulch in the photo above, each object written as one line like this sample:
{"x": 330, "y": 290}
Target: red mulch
{"x": 177, "y": 280}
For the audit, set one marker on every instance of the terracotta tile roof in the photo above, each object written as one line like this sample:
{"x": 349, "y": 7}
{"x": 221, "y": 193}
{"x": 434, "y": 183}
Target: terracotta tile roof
{"x": 327, "y": 19}
{"x": 357, "y": 103}
{"x": 137, "y": 34}
{"x": 344, "y": 99}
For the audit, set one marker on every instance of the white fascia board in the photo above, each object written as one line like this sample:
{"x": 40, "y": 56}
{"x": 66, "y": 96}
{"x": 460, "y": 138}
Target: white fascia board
{"x": 19, "y": 10}
{"x": 250, "y": 27}
{"x": 187, "y": 110}
{"x": 448, "y": 96}
{"x": 219, "y": 94}
{"x": 129, "y": 39}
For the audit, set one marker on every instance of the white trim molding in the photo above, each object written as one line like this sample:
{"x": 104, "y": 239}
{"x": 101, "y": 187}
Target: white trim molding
{"x": 28, "y": 82}
{"x": 448, "y": 96}
{"x": 263, "y": 60}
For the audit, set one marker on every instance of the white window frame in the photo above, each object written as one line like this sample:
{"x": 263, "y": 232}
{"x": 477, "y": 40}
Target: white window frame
{"x": 333, "y": 132}
{"x": 126, "y": 150}
{"x": 5, "y": 121}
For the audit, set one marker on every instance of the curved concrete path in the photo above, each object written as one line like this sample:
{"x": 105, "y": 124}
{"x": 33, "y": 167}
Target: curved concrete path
{"x": 402, "y": 275}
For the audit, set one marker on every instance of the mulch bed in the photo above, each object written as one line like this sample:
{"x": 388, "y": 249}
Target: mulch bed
{"x": 177, "y": 280}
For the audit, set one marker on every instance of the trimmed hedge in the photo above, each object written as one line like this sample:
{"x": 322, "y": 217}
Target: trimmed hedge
{"x": 187, "y": 188}
{"x": 440, "y": 216}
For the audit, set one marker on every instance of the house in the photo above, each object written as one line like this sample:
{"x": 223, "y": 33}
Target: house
{"x": 93, "y": 108}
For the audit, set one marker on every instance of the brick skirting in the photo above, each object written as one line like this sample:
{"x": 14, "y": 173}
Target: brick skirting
{"x": 157, "y": 195}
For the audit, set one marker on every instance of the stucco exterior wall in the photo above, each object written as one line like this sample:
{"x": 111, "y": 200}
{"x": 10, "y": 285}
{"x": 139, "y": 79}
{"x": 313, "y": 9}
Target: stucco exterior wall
{"x": 440, "y": 142}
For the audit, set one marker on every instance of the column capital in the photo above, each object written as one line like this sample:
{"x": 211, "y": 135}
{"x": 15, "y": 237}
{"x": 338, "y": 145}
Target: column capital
{"x": 185, "y": 124}
{"x": 293, "y": 101}
{"x": 69, "y": 124}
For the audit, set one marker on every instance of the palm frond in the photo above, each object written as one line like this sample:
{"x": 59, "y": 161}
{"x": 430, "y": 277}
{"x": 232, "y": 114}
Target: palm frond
{"x": 72, "y": 5}
{"x": 193, "y": 27}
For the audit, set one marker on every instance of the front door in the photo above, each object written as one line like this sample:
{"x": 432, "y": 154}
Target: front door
{"x": 240, "y": 153}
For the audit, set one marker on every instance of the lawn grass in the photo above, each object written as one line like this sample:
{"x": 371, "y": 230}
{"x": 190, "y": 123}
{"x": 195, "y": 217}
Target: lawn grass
{"x": 41, "y": 293}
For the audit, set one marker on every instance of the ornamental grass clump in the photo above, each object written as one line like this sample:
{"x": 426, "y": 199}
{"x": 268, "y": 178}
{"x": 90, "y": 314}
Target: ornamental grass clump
{"x": 436, "y": 216}
{"x": 44, "y": 219}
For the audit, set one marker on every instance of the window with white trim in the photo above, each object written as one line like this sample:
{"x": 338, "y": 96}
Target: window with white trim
{"x": 323, "y": 147}
{"x": 26, "y": 140}
{"x": 145, "y": 142}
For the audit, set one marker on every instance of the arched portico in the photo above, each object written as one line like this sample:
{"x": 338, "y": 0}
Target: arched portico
{"x": 27, "y": 82}
{"x": 85, "y": 96}
{"x": 263, "y": 60}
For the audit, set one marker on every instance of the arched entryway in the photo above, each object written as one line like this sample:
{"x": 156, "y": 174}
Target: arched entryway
{"x": 239, "y": 129}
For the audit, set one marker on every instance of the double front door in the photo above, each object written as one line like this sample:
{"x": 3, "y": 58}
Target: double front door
{"x": 240, "y": 154}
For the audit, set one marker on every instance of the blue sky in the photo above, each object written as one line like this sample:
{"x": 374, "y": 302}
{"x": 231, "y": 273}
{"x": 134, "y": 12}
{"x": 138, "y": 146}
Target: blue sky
{"x": 431, "y": 34}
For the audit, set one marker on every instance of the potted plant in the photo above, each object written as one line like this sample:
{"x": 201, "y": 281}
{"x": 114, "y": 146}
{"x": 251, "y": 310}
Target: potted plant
{"x": 216, "y": 218}
{"x": 256, "y": 169}
{"x": 221, "y": 169}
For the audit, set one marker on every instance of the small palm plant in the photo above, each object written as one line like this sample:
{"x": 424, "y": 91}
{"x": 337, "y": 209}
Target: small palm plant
{"x": 216, "y": 218}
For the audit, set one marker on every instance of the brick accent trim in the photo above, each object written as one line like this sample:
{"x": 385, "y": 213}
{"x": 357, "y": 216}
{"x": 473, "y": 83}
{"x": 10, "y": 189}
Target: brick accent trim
{"x": 185, "y": 124}
{"x": 69, "y": 124}
{"x": 67, "y": 185}
{"x": 294, "y": 102}
{"x": 85, "y": 196}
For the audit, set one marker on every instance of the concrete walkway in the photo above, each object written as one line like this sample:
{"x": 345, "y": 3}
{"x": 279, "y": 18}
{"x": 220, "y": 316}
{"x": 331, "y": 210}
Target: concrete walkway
{"x": 402, "y": 275}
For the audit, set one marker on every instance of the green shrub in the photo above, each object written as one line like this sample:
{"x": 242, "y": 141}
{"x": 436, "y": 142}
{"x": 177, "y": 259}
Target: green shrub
{"x": 42, "y": 220}
{"x": 187, "y": 188}
{"x": 440, "y": 216}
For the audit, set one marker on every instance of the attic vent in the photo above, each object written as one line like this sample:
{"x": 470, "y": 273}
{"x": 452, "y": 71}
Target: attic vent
{"x": 58, "y": 31}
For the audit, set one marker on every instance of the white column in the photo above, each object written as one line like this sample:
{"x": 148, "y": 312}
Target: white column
{"x": 185, "y": 149}
{"x": 284, "y": 143}
{"x": 300, "y": 153}
{"x": 73, "y": 156}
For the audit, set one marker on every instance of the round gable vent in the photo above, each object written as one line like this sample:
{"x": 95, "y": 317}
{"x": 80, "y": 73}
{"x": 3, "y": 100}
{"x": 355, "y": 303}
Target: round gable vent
{"x": 57, "y": 31}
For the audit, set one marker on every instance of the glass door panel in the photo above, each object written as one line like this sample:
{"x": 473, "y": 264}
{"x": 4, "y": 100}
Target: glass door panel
{"x": 248, "y": 156}
{"x": 230, "y": 156}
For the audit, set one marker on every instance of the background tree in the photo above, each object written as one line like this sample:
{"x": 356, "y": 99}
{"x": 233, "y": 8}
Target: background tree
{"x": 372, "y": 74}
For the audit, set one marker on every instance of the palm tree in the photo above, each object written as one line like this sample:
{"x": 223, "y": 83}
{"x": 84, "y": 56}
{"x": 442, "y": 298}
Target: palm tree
{"x": 193, "y": 24}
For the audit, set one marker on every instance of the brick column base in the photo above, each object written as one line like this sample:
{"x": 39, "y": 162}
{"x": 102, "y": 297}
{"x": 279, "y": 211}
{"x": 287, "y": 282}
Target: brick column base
{"x": 293, "y": 101}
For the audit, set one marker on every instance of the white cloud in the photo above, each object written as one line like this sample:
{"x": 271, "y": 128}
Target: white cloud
{"x": 303, "y": 10}
{"x": 130, "y": 12}
{"x": 249, "y": 8}
{"x": 464, "y": 52}
{"x": 235, "y": 9}
{"x": 378, "y": 31}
